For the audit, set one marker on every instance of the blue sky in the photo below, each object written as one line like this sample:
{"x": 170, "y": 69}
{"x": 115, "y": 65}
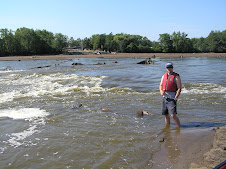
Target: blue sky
{"x": 84, "y": 18}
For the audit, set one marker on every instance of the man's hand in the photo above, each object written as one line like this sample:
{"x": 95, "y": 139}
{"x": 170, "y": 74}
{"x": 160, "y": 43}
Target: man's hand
{"x": 162, "y": 92}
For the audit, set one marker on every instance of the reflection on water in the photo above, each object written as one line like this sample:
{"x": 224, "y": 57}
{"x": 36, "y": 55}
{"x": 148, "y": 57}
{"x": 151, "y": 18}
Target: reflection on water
{"x": 171, "y": 145}
{"x": 40, "y": 110}
{"x": 170, "y": 149}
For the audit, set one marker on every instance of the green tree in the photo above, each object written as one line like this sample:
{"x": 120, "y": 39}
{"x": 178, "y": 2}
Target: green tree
{"x": 199, "y": 44}
{"x": 95, "y": 41}
{"x": 46, "y": 39}
{"x": 102, "y": 42}
{"x": 29, "y": 41}
{"x": 122, "y": 41}
{"x": 86, "y": 43}
{"x": 145, "y": 45}
{"x": 60, "y": 42}
{"x": 216, "y": 41}
{"x": 223, "y": 42}
{"x": 156, "y": 47}
{"x": 109, "y": 42}
{"x": 7, "y": 42}
{"x": 181, "y": 43}
{"x": 2, "y": 50}
{"x": 131, "y": 48}
{"x": 146, "y": 42}
{"x": 78, "y": 42}
{"x": 71, "y": 42}
{"x": 165, "y": 43}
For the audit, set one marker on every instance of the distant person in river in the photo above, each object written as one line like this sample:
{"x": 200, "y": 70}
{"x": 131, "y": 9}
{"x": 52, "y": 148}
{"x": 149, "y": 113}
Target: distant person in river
{"x": 170, "y": 89}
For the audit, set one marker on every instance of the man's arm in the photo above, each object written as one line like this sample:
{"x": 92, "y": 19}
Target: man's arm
{"x": 160, "y": 87}
{"x": 178, "y": 81}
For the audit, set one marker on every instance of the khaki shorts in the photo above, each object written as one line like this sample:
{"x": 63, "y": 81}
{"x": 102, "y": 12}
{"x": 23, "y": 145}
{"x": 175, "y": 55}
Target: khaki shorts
{"x": 169, "y": 106}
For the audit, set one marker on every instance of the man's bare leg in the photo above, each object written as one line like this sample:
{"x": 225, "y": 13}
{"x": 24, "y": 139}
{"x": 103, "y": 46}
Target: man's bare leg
{"x": 167, "y": 120}
{"x": 176, "y": 120}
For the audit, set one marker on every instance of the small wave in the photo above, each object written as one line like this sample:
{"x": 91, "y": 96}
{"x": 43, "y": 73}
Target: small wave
{"x": 3, "y": 69}
{"x": 58, "y": 84}
{"x": 121, "y": 90}
{"x": 203, "y": 88}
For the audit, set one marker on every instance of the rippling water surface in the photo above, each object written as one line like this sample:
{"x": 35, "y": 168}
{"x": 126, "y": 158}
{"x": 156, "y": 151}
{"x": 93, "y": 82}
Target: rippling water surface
{"x": 51, "y": 112}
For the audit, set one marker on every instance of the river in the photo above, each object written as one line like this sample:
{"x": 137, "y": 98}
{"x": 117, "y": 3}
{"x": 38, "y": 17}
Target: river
{"x": 51, "y": 112}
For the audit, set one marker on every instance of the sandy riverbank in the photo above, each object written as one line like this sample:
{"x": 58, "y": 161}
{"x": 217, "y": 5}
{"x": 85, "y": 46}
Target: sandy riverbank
{"x": 217, "y": 153}
{"x": 117, "y": 55}
{"x": 194, "y": 149}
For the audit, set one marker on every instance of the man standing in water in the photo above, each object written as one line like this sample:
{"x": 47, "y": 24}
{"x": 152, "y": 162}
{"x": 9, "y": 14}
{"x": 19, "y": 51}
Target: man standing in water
{"x": 170, "y": 88}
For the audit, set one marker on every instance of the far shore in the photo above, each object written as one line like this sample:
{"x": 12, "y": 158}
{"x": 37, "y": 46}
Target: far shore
{"x": 116, "y": 55}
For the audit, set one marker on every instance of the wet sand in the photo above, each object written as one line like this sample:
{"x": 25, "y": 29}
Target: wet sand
{"x": 194, "y": 149}
{"x": 116, "y": 55}
{"x": 217, "y": 153}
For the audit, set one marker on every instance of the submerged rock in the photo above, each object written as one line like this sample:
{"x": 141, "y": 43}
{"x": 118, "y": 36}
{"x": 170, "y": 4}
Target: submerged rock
{"x": 77, "y": 107}
{"x": 162, "y": 139}
{"x": 105, "y": 109}
{"x": 77, "y": 64}
{"x": 141, "y": 113}
{"x": 147, "y": 61}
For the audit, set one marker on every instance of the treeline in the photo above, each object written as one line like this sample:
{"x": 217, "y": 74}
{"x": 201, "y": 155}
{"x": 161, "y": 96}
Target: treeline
{"x": 179, "y": 43}
{"x": 25, "y": 41}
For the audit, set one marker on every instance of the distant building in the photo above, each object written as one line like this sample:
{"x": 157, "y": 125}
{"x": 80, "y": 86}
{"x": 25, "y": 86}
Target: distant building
{"x": 75, "y": 50}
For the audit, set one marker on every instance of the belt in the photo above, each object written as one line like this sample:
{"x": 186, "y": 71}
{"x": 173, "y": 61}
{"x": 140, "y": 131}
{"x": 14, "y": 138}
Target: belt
{"x": 168, "y": 99}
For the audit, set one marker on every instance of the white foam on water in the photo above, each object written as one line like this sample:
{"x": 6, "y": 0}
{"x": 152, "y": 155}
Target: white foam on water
{"x": 23, "y": 113}
{"x": 204, "y": 88}
{"x": 35, "y": 116}
{"x": 9, "y": 96}
{"x": 16, "y": 139}
{"x": 37, "y": 85}
{"x": 9, "y": 70}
